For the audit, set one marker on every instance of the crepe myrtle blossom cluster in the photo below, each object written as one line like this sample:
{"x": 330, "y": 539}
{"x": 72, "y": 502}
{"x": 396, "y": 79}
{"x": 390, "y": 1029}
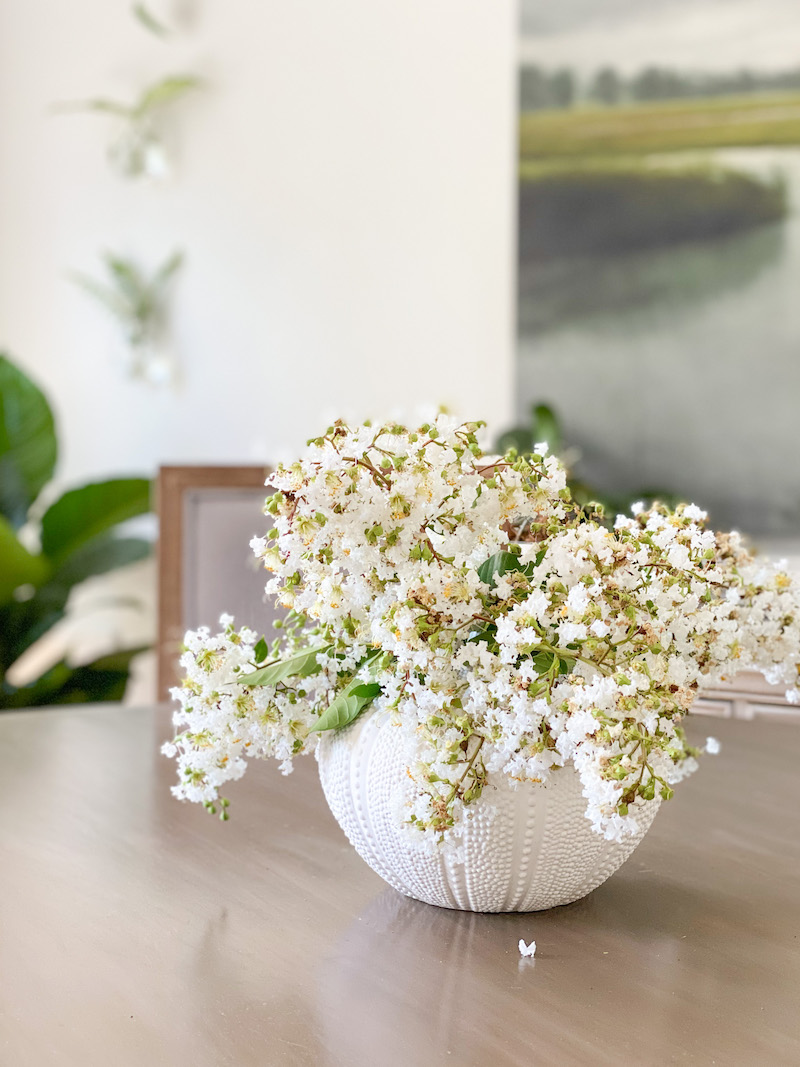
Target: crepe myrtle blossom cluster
{"x": 501, "y": 628}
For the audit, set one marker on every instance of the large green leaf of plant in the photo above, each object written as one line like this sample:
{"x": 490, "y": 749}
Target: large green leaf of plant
{"x": 103, "y": 680}
{"x": 82, "y": 514}
{"x": 17, "y": 566}
{"x": 22, "y": 624}
{"x": 103, "y": 554}
{"x": 27, "y": 442}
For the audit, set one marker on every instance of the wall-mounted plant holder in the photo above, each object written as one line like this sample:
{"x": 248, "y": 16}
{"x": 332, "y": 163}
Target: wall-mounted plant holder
{"x": 140, "y": 306}
{"x": 138, "y": 148}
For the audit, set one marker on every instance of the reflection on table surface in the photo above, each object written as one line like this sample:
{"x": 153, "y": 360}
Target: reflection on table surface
{"x": 136, "y": 924}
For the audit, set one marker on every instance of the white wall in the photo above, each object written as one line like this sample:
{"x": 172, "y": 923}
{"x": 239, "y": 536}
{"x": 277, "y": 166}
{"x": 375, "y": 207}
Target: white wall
{"x": 344, "y": 196}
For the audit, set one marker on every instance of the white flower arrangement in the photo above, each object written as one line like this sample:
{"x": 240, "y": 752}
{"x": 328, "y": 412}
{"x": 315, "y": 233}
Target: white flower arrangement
{"x": 502, "y": 628}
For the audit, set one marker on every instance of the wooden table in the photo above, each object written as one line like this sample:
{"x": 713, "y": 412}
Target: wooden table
{"x": 140, "y": 931}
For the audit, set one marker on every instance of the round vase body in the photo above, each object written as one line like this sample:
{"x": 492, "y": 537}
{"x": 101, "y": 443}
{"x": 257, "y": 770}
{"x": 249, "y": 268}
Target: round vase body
{"x": 522, "y": 849}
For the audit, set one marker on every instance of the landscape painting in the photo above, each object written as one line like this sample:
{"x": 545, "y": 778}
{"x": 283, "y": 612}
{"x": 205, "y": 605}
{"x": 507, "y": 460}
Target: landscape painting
{"x": 659, "y": 249}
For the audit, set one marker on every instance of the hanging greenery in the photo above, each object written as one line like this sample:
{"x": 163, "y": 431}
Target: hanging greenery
{"x": 138, "y": 149}
{"x": 139, "y": 303}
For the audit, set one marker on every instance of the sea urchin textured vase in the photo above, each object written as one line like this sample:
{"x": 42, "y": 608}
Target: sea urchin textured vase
{"x": 524, "y": 849}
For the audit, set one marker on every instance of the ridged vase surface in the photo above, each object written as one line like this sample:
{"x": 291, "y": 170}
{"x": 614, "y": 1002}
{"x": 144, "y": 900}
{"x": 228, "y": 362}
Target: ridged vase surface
{"x": 524, "y": 849}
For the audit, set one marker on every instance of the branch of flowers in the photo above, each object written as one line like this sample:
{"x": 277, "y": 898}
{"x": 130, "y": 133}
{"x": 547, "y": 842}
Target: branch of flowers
{"x": 470, "y": 621}
{"x": 678, "y": 571}
{"x": 460, "y": 780}
{"x": 439, "y": 558}
{"x": 498, "y": 465}
{"x": 378, "y": 476}
{"x": 630, "y": 794}
{"x": 568, "y": 653}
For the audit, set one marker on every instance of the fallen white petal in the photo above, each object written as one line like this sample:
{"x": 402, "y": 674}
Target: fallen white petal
{"x": 527, "y": 950}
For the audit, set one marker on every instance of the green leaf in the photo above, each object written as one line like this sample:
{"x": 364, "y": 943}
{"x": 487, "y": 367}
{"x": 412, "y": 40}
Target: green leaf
{"x": 518, "y": 438}
{"x": 543, "y": 661}
{"x": 487, "y": 634}
{"x": 98, "y": 556}
{"x": 111, "y": 300}
{"x": 100, "y": 104}
{"x": 129, "y": 280}
{"x": 103, "y": 554}
{"x": 166, "y": 270}
{"x": 165, "y": 92}
{"x": 27, "y": 442}
{"x": 23, "y": 623}
{"x": 497, "y": 565}
{"x": 348, "y": 705}
{"x": 116, "y": 661}
{"x": 82, "y": 514}
{"x": 301, "y": 665}
{"x": 546, "y": 426}
{"x": 17, "y": 565}
{"x": 103, "y": 680}
{"x": 43, "y": 691}
{"x": 261, "y": 651}
{"x": 341, "y": 711}
{"x": 149, "y": 21}
{"x": 367, "y": 691}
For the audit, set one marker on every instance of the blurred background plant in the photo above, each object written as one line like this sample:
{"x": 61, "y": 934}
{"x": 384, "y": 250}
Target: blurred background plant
{"x": 545, "y": 426}
{"x": 138, "y": 150}
{"x": 139, "y": 304}
{"x": 145, "y": 17}
{"x": 48, "y": 547}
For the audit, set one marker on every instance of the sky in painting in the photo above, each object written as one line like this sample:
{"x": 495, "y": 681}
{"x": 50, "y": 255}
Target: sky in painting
{"x": 699, "y": 35}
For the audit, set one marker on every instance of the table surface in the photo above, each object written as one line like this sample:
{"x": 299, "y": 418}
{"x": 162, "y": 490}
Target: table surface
{"x": 140, "y": 931}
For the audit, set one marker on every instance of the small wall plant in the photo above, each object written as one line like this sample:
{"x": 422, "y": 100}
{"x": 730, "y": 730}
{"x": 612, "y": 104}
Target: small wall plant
{"x": 139, "y": 303}
{"x": 138, "y": 148}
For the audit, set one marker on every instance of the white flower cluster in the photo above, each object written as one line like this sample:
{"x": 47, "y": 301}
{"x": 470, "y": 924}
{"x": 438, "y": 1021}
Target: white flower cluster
{"x": 506, "y": 629}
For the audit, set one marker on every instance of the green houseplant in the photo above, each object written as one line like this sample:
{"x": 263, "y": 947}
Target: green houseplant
{"x": 45, "y": 551}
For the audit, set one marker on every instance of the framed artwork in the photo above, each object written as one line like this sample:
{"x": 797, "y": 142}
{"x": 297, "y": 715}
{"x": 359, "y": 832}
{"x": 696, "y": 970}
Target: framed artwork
{"x": 207, "y": 516}
{"x": 659, "y": 249}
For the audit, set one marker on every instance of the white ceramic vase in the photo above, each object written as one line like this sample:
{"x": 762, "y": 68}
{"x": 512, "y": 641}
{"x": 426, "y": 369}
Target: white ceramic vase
{"x": 524, "y": 849}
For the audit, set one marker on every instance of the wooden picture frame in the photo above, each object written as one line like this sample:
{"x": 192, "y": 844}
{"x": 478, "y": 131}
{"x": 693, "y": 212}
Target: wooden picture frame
{"x": 174, "y": 483}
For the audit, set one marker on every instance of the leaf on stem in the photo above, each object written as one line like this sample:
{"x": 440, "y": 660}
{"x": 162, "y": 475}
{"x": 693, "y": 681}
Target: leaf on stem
{"x": 164, "y": 92}
{"x": 348, "y": 705}
{"x": 27, "y": 442}
{"x": 497, "y": 565}
{"x": 301, "y": 665}
{"x": 149, "y": 21}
